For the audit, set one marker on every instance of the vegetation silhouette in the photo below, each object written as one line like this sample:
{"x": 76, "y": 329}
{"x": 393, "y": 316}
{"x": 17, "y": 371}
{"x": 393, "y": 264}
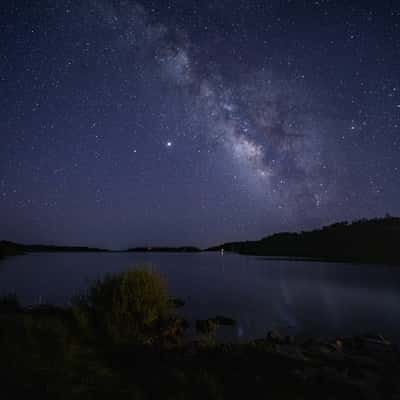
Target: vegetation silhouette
{"x": 8, "y": 248}
{"x": 367, "y": 240}
{"x": 131, "y": 306}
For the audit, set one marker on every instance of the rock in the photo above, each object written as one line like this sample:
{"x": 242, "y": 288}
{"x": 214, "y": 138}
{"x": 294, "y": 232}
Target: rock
{"x": 325, "y": 349}
{"x": 375, "y": 344}
{"x": 338, "y": 344}
{"x": 377, "y": 339}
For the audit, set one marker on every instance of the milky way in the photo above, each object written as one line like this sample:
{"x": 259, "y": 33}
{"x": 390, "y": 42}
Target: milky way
{"x": 211, "y": 122}
{"x": 258, "y": 120}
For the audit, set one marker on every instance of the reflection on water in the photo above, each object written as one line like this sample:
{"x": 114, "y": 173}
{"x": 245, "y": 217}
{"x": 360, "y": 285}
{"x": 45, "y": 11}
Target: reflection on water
{"x": 293, "y": 296}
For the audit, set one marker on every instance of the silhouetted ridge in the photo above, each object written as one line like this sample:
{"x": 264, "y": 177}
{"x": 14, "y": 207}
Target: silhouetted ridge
{"x": 10, "y": 248}
{"x": 373, "y": 240}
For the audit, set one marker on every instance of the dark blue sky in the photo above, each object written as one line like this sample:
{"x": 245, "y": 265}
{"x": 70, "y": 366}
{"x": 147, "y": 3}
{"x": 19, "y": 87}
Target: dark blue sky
{"x": 129, "y": 123}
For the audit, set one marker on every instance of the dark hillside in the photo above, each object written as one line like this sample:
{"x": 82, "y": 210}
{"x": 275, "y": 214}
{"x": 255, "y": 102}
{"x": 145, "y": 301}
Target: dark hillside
{"x": 373, "y": 240}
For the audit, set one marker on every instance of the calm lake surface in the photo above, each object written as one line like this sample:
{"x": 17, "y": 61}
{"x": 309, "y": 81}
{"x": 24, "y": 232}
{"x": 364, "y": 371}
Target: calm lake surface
{"x": 295, "y": 297}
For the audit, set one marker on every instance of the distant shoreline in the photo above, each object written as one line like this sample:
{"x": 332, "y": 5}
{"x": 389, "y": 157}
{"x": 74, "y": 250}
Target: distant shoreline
{"x": 373, "y": 241}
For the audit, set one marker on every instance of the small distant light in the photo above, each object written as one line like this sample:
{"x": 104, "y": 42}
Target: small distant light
{"x": 169, "y": 144}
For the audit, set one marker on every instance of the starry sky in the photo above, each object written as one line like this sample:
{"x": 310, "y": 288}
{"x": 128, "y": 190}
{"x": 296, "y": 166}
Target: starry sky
{"x": 126, "y": 123}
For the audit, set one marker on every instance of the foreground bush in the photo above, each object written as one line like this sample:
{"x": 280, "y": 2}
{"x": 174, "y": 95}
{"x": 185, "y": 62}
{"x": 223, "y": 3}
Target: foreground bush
{"x": 129, "y": 307}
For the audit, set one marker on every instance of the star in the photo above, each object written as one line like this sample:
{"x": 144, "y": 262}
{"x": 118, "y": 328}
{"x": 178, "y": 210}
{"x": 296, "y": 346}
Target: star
{"x": 239, "y": 123}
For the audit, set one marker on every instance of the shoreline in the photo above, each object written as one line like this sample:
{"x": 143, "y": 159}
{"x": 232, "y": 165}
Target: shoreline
{"x": 361, "y": 367}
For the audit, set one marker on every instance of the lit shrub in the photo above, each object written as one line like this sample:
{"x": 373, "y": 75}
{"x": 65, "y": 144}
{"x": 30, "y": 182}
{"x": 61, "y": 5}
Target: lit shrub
{"x": 129, "y": 307}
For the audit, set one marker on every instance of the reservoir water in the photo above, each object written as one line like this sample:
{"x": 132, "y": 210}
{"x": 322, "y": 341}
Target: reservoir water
{"x": 295, "y": 297}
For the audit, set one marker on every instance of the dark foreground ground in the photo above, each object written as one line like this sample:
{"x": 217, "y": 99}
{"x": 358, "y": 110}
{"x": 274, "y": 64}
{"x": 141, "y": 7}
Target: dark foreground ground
{"x": 44, "y": 354}
{"x": 123, "y": 339}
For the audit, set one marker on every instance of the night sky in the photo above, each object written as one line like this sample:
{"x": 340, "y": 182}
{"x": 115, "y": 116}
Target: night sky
{"x": 195, "y": 122}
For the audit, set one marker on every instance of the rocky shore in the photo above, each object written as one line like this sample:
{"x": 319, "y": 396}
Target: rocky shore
{"x": 108, "y": 344}
{"x": 367, "y": 366}
{"x": 359, "y": 367}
